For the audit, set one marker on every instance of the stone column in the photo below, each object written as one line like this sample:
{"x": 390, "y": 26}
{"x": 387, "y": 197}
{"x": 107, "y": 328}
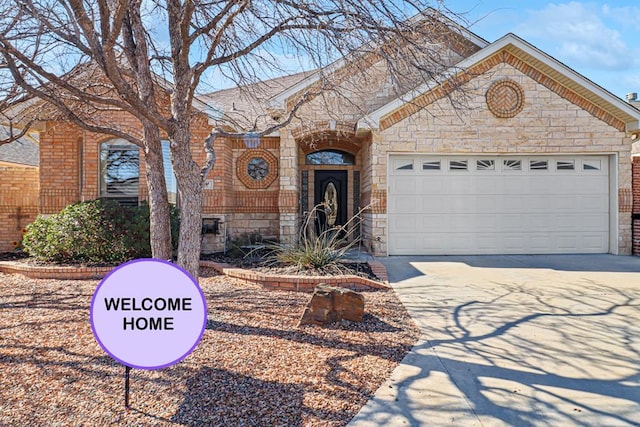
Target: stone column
{"x": 376, "y": 169}
{"x": 289, "y": 188}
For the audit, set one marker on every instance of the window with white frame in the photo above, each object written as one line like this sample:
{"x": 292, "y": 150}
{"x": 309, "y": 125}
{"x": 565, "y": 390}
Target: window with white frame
{"x": 169, "y": 174}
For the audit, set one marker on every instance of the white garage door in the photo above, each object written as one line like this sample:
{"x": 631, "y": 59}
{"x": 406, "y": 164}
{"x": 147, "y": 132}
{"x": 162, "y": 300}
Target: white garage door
{"x": 498, "y": 205}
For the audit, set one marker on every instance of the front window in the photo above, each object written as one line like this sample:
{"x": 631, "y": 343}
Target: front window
{"x": 169, "y": 175}
{"x": 330, "y": 157}
{"x": 119, "y": 170}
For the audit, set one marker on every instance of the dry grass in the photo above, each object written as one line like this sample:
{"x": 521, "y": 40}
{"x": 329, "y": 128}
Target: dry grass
{"x": 253, "y": 367}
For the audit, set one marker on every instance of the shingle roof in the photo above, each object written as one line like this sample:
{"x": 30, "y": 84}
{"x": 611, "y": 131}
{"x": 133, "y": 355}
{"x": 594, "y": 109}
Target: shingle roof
{"x": 242, "y": 105}
{"x": 24, "y": 151}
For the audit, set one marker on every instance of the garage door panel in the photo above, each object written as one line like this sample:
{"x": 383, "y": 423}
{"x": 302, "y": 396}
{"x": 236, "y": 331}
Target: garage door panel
{"x": 432, "y": 185}
{"x": 549, "y": 205}
{"x": 403, "y": 185}
{"x": 406, "y": 204}
{"x": 491, "y": 244}
{"x": 492, "y": 212}
{"x": 475, "y": 223}
{"x": 567, "y": 222}
{"x": 567, "y": 241}
{"x": 594, "y": 185}
{"x": 435, "y": 204}
{"x": 593, "y": 203}
{"x": 404, "y": 223}
{"x": 593, "y": 242}
{"x": 461, "y": 186}
{"x": 441, "y": 204}
{"x": 406, "y": 244}
{"x": 580, "y": 184}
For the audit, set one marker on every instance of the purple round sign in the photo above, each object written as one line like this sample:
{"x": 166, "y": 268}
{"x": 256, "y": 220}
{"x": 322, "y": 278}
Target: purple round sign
{"x": 148, "y": 314}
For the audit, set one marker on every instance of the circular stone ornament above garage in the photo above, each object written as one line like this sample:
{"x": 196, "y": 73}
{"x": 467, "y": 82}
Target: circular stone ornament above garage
{"x": 505, "y": 98}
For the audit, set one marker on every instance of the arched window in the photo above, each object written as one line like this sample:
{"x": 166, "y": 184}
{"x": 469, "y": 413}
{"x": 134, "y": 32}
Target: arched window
{"x": 119, "y": 170}
{"x": 330, "y": 157}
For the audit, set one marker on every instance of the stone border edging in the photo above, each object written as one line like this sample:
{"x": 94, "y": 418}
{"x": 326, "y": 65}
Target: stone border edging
{"x": 268, "y": 281}
{"x": 295, "y": 283}
{"x": 54, "y": 272}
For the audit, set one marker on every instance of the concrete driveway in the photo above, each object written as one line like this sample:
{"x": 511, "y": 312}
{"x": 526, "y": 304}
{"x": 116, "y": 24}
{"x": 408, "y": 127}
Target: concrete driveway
{"x": 516, "y": 341}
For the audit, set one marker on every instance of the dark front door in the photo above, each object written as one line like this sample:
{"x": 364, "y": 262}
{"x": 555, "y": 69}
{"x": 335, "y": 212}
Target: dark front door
{"x": 331, "y": 189}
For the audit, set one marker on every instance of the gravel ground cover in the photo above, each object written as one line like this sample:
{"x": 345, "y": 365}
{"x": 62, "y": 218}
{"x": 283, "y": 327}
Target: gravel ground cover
{"x": 253, "y": 367}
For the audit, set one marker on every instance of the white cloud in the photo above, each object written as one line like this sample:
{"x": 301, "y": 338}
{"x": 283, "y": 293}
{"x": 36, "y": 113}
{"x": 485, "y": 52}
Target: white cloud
{"x": 628, "y": 16}
{"x": 632, "y": 82}
{"x": 578, "y": 35}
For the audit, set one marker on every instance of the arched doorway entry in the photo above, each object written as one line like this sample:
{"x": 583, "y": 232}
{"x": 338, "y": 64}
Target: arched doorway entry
{"x": 329, "y": 160}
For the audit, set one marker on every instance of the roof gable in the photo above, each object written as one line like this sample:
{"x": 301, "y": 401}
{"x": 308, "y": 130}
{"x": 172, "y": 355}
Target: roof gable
{"x": 541, "y": 67}
{"x": 279, "y": 100}
{"x": 243, "y": 107}
{"x": 81, "y": 76}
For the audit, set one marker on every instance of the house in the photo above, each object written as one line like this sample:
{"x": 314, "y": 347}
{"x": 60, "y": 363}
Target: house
{"x": 535, "y": 158}
{"x": 20, "y": 183}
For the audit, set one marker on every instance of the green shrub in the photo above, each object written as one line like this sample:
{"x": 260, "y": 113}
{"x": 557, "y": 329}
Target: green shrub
{"x": 98, "y": 231}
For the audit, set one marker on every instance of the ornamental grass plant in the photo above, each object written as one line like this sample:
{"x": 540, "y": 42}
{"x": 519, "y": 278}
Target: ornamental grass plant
{"x": 318, "y": 247}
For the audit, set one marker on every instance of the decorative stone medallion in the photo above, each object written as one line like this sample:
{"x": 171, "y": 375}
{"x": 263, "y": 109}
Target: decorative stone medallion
{"x": 257, "y": 168}
{"x": 505, "y": 98}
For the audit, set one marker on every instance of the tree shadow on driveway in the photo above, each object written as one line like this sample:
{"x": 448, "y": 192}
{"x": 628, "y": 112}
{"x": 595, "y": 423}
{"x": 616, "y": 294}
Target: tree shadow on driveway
{"x": 513, "y": 353}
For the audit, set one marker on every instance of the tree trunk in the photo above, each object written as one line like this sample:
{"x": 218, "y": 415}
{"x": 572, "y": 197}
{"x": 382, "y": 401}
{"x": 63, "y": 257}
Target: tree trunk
{"x": 188, "y": 175}
{"x": 159, "y": 222}
{"x": 190, "y": 193}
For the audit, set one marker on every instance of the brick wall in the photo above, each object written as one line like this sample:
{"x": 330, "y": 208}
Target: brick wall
{"x": 18, "y": 203}
{"x": 59, "y": 166}
{"x": 636, "y": 205}
{"x": 70, "y": 157}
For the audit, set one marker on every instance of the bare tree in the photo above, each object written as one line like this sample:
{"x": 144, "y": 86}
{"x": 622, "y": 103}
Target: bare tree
{"x": 130, "y": 46}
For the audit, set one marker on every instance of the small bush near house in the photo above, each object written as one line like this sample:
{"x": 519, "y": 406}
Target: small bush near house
{"x": 98, "y": 231}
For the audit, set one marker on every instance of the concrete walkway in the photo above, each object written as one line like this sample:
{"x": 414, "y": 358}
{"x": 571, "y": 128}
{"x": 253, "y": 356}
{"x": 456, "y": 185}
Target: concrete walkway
{"x": 515, "y": 341}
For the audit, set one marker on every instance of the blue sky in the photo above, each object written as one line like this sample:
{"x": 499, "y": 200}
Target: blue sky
{"x": 599, "y": 40}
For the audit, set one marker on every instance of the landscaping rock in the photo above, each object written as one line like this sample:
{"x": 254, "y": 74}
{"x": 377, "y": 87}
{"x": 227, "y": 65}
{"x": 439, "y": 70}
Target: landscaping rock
{"x": 330, "y": 304}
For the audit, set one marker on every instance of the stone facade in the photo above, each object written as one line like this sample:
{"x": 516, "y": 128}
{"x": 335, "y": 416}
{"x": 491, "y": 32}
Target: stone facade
{"x": 548, "y": 124}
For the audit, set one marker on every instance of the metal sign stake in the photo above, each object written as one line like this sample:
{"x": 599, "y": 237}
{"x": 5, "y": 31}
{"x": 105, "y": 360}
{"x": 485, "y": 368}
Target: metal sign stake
{"x": 127, "y": 369}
